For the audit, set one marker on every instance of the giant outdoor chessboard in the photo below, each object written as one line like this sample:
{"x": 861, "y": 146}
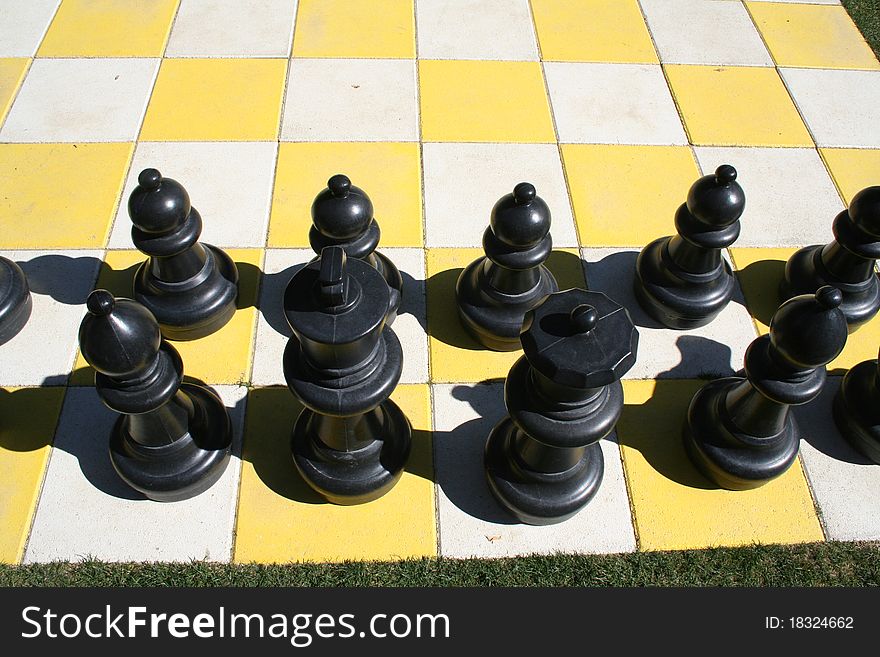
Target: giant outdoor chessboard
{"x": 436, "y": 109}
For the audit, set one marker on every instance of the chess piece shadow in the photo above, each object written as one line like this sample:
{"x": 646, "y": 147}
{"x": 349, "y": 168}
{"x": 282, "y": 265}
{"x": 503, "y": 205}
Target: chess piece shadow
{"x": 18, "y": 410}
{"x": 614, "y": 275}
{"x": 271, "y": 297}
{"x": 667, "y": 408}
{"x": 762, "y": 279}
{"x": 67, "y": 280}
{"x": 463, "y": 479}
{"x": 413, "y": 302}
{"x": 819, "y": 430}
{"x": 271, "y": 415}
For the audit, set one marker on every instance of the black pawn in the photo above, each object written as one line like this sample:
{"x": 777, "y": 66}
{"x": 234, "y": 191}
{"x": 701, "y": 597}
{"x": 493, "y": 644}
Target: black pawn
{"x": 857, "y": 408}
{"x": 15, "y": 300}
{"x": 739, "y": 431}
{"x": 543, "y": 461}
{"x": 496, "y": 291}
{"x": 846, "y": 263}
{"x": 190, "y": 287}
{"x": 342, "y": 215}
{"x": 682, "y": 281}
{"x": 173, "y": 439}
{"x": 351, "y": 442}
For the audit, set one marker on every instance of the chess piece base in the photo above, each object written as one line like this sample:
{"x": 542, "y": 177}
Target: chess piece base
{"x": 495, "y": 319}
{"x": 188, "y": 466}
{"x": 855, "y": 409}
{"x": 15, "y": 300}
{"x": 676, "y": 298}
{"x": 192, "y": 309}
{"x": 805, "y": 273}
{"x": 730, "y": 458}
{"x": 537, "y": 498}
{"x": 357, "y": 476}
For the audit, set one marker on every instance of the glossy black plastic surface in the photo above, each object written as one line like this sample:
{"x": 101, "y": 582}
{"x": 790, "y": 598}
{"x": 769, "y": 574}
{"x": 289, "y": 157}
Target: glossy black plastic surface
{"x": 15, "y": 300}
{"x": 172, "y": 440}
{"x": 846, "y": 263}
{"x": 342, "y": 215}
{"x": 496, "y": 291}
{"x": 351, "y": 442}
{"x": 190, "y": 287}
{"x": 682, "y": 281}
{"x": 857, "y": 409}
{"x": 739, "y": 430}
{"x": 543, "y": 461}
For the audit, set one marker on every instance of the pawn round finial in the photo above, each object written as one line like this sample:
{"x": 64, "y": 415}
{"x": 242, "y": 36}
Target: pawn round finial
{"x": 829, "y": 297}
{"x": 150, "y": 179}
{"x": 583, "y": 318}
{"x": 339, "y": 185}
{"x": 725, "y": 174}
{"x": 524, "y": 193}
{"x": 100, "y": 302}
{"x": 342, "y": 211}
{"x": 864, "y": 209}
{"x": 158, "y": 204}
{"x": 521, "y": 219}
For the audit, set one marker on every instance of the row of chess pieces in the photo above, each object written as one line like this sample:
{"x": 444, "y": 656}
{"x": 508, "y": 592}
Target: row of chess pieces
{"x": 543, "y": 462}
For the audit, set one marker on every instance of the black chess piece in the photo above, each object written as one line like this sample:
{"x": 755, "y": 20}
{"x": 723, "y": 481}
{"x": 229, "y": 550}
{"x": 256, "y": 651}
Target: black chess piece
{"x": 342, "y": 215}
{"x": 173, "y": 439}
{"x": 496, "y": 291}
{"x": 683, "y": 281}
{"x": 846, "y": 263}
{"x": 15, "y": 300}
{"x": 190, "y": 287}
{"x": 857, "y": 408}
{"x": 739, "y": 431}
{"x": 543, "y": 461}
{"x": 351, "y": 442}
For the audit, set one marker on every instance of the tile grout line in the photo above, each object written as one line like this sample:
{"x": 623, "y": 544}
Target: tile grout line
{"x": 431, "y": 405}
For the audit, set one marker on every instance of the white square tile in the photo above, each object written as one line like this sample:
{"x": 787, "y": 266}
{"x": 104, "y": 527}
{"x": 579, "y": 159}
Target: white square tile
{"x": 229, "y": 183}
{"x": 845, "y": 484}
{"x": 464, "y": 181}
{"x": 351, "y": 100}
{"x": 841, "y": 108}
{"x": 43, "y": 352}
{"x": 231, "y": 28}
{"x": 473, "y": 524}
{"x": 23, "y": 23}
{"x": 81, "y": 100}
{"x": 716, "y": 349}
{"x": 475, "y": 29}
{"x": 273, "y": 331}
{"x": 790, "y": 198}
{"x": 86, "y": 510}
{"x": 705, "y": 32}
{"x": 612, "y": 104}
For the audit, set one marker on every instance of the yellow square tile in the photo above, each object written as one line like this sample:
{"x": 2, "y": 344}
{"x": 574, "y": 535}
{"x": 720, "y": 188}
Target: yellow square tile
{"x": 26, "y": 432}
{"x": 281, "y": 519}
{"x": 390, "y": 174}
{"x": 853, "y": 169}
{"x": 675, "y": 507}
{"x": 618, "y": 197}
{"x": 216, "y": 100}
{"x": 57, "y": 196}
{"x": 12, "y": 71}
{"x": 200, "y": 357}
{"x": 593, "y": 31}
{"x": 355, "y": 28}
{"x": 760, "y": 272}
{"x": 483, "y": 101}
{"x": 736, "y": 106}
{"x": 455, "y": 356}
{"x": 821, "y": 36}
{"x": 109, "y": 28}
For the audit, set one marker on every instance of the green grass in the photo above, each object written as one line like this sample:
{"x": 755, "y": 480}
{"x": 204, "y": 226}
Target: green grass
{"x": 866, "y": 15}
{"x": 815, "y": 564}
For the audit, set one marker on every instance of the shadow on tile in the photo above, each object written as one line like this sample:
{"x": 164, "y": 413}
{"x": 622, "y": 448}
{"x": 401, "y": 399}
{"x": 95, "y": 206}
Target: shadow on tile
{"x": 760, "y": 284}
{"x": 819, "y": 430}
{"x": 29, "y": 417}
{"x": 57, "y": 276}
{"x": 271, "y": 414}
